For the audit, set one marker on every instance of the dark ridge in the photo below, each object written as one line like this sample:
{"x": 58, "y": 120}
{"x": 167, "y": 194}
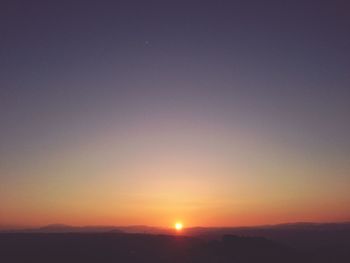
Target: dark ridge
{"x": 122, "y": 247}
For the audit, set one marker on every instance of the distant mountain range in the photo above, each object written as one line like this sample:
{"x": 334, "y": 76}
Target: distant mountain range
{"x": 296, "y": 234}
{"x": 191, "y": 231}
{"x": 308, "y": 235}
{"x": 62, "y": 228}
{"x": 295, "y": 242}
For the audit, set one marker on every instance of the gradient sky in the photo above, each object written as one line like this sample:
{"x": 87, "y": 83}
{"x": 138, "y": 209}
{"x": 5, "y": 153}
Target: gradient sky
{"x": 142, "y": 112}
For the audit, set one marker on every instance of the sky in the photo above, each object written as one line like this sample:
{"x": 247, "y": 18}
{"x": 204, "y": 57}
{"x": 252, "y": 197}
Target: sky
{"x": 212, "y": 113}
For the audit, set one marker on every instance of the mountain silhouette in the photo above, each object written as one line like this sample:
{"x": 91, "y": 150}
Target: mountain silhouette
{"x": 134, "y": 248}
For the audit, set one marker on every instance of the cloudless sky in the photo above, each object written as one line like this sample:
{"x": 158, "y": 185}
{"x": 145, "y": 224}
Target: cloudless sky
{"x": 147, "y": 112}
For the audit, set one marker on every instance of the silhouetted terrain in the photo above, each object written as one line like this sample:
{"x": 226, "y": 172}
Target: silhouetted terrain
{"x": 119, "y": 247}
{"x": 299, "y": 235}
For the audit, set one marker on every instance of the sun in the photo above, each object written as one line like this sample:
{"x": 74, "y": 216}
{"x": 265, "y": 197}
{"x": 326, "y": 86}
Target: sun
{"x": 178, "y": 226}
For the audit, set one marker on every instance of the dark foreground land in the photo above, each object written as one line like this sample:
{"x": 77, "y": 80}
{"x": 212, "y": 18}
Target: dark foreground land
{"x": 119, "y": 247}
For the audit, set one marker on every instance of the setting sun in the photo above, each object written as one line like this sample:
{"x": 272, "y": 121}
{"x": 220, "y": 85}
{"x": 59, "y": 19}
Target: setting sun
{"x": 178, "y": 226}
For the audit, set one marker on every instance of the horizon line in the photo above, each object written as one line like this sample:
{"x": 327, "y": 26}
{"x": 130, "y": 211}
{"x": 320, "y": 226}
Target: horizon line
{"x": 23, "y": 227}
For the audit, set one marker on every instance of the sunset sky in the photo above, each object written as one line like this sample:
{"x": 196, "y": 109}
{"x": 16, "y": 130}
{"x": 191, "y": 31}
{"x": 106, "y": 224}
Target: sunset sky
{"x": 211, "y": 113}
